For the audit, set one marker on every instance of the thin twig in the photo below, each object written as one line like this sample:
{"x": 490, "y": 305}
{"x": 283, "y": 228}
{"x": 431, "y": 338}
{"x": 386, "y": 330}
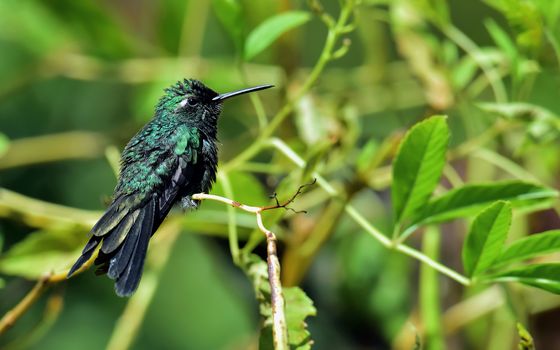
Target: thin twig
{"x": 279, "y": 327}
{"x": 10, "y": 318}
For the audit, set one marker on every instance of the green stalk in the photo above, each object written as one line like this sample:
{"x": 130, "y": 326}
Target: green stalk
{"x": 429, "y": 293}
{"x": 326, "y": 56}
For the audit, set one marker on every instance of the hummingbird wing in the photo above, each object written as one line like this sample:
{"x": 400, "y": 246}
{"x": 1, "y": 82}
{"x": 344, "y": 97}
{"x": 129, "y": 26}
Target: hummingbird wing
{"x": 147, "y": 189}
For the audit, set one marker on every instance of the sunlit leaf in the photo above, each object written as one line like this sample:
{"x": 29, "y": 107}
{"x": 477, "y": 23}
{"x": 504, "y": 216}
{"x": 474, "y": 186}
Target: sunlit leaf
{"x": 543, "y": 276}
{"x": 529, "y": 247}
{"x": 418, "y": 166}
{"x": 486, "y": 238}
{"x": 469, "y": 199}
{"x": 42, "y": 252}
{"x": 271, "y": 29}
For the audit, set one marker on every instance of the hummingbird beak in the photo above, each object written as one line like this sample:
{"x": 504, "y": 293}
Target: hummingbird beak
{"x": 227, "y": 95}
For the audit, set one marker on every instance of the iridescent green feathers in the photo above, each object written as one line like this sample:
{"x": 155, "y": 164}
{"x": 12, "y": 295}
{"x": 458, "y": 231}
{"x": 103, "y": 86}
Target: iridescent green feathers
{"x": 173, "y": 157}
{"x": 156, "y": 167}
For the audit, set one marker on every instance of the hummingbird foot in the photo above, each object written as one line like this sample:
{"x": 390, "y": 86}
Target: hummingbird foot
{"x": 188, "y": 203}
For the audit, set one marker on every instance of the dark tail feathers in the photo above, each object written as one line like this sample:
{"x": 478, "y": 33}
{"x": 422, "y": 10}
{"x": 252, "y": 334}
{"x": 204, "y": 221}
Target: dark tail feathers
{"x": 124, "y": 238}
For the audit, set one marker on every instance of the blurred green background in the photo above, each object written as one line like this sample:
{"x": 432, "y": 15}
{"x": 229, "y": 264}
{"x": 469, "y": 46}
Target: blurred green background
{"x": 79, "y": 78}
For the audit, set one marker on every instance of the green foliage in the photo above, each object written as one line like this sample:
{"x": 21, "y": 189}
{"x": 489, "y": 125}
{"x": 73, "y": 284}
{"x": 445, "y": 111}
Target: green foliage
{"x": 530, "y": 247}
{"x": 542, "y": 124}
{"x": 271, "y": 29}
{"x": 486, "y": 238}
{"x": 469, "y": 199}
{"x": 298, "y": 308}
{"x": 418, "y": 166}
{"x": 352, "y": 77}
{"x": 544, "y": 276}
{"x": 4, "y": 144}
{"x": 41, "y": 253}
{"x": 230, "y": 13}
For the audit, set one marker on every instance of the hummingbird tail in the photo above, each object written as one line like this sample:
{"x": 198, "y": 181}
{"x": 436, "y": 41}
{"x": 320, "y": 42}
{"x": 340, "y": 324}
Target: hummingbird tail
{"x": 124, "y": 238}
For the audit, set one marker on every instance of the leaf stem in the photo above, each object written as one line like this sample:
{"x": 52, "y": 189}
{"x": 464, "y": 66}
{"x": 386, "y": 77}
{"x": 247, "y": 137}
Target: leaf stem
{"x": 326, "y": 56}
{"x": 369, "y": 228}
{"x": 232, "y": 221}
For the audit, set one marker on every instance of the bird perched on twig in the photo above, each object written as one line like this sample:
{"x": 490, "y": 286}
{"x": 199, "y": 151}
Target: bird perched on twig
{"x": 173, "y": 157}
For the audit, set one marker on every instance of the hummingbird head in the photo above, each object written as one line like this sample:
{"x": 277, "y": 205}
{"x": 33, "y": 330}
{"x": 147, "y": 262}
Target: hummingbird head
{"x": 194, "y": 102}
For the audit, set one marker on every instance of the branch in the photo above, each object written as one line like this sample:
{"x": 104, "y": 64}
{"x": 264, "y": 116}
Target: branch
{"x": 10, "y": 318}
{"x": 279, "y": 327}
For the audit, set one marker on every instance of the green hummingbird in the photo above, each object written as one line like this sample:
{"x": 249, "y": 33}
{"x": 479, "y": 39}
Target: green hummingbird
{"x": 173, "y": 157}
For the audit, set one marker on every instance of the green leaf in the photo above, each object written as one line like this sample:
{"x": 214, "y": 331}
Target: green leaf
{"x": 529, "y": 247}
{"x": 543, "y": 276}
{"x": 298, "y": 307}
{"x": 525, "y": 339}
{"x": 486, "y": 238}
{"x": 501, "y": 38}
{"x": 418, "y": 166}
{"x": 367, "y": 155}
{"x": 543, "y": 124}
{"x": 469, "y": 199}
{"x": 230, "y": 14}
{"x": 271, "y": 29}
{"x": 315, "y": 157}
{"x": 42, "y": 252}
{"x": 4, "y": 144}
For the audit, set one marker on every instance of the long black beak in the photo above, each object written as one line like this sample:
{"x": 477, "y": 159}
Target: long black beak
{"x": 227, "y": 95}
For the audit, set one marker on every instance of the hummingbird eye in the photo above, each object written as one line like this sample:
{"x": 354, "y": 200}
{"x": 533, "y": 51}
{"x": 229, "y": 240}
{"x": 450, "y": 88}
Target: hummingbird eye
{"x": 191, "y": 101}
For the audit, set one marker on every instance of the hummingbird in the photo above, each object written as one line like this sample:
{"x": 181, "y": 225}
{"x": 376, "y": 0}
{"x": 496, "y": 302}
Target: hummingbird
{"x": 172, "y": 157}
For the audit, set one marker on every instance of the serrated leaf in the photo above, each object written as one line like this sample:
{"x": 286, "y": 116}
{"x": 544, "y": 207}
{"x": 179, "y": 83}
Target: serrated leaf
{"x": 42, "y": 252}
{"x": 486, "y": 238}
{"x": 531, "y": 246}
{"x": 298, "y": 307}
{"x": 271, "y": 29}
{"x": 469, "y": 199}
{"x": 418, "y": 166}
{"x": 543, "y": 276}
{"x": 230, "y": 14}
